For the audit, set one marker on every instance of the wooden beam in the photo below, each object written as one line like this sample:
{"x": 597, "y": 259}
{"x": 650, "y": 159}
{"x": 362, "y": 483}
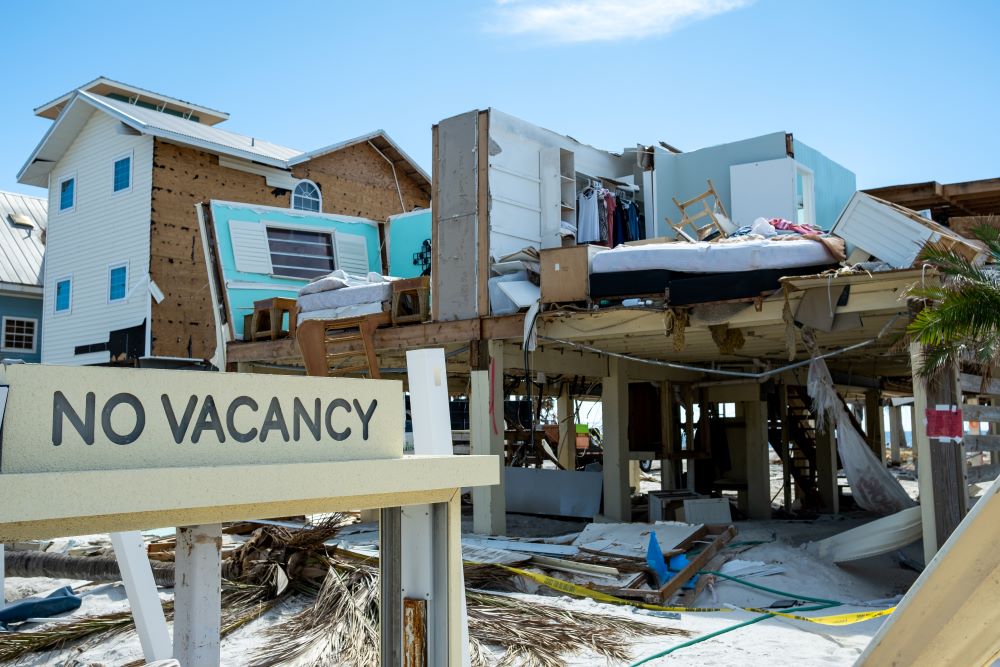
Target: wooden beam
{"x": 615, "y": 412}
{"x": 874, "y": 428}
{"x": 758, "y": 470}
{"x": 392, "y": 338}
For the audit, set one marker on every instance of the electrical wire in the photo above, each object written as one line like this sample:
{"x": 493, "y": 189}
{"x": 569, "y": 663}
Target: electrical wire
{"x": 821, "y": 604}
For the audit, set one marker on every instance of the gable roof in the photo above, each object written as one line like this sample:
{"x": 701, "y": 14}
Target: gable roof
{"x": 106, "y": 87}
{"x": 382, "y": 143}
{"x": 79, "y": 108}
{"x": 22, "y": 226}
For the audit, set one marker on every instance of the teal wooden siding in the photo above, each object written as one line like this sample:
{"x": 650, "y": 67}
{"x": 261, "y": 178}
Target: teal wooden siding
{"x": 243, "y": 287}
{"x": 407, "y": 233}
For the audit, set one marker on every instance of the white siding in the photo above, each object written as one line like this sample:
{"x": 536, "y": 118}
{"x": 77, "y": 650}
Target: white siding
{"x": 104, "y": 229}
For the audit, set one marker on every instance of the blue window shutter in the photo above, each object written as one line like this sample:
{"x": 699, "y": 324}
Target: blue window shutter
{"x": 63, "y": 288}
{"x": 123, "y": 174}
{"x": 66, "y": 194}
{"x": 117, "y": 283}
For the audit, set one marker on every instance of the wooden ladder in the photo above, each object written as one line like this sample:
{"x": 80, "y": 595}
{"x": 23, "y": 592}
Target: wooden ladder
{"x": 325, "y": 344}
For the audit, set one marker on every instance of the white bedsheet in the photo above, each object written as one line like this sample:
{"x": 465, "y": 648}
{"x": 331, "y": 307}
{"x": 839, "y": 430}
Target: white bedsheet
{"x": 705, "y": 257}
{"x": 347, "y": 296}
{"x": 340, "y": 312}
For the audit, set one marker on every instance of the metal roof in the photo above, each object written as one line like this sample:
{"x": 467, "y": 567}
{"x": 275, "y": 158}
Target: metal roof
{"x": 381, "y": 142}
{"x": 102, "y": 85}
{"x": 21, "y": 246}
{"x": 147, "y": 121}
{"x": 79, "y": 108}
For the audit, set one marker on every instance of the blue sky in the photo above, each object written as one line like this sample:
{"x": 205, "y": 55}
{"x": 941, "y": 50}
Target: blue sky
{"x": 896, "y": 91}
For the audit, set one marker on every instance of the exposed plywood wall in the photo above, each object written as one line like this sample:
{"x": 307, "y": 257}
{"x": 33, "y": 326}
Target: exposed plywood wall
{"x": 355, "y": 181}
{"x": 182, "y": 324}
{"x": 358, "y": 181}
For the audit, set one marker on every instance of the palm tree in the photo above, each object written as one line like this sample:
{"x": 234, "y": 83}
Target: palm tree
{"x": 961, "y": 320}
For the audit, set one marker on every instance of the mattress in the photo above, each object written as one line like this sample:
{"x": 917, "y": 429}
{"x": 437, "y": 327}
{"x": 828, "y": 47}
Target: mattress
{"x": 683, "y": 289}
{"x": 373, "y": 293}
{"x": 704, "y": 257}
{"x": 340, "y": 312}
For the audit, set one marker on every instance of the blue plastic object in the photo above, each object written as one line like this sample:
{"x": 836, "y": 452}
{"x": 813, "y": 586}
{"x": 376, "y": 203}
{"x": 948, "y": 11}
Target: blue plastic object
{"x": 655, "y": 560}
{"x": 57, "y": 602}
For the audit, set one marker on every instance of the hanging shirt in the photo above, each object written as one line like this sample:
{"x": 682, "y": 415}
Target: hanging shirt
{"x": 587, "y": 228}
{"x": 614, "y": 233}
{"x": 602, "y": 216}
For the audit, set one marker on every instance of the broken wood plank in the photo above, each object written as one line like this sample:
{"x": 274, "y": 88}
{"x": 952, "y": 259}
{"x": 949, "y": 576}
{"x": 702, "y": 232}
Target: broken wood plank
{"x": 984, "y": 473}
{"x": 663, "y": 594}
{"x": 575, "y": 567}
{"x": 982, "y": 443}
{"x": 975, "y": 413}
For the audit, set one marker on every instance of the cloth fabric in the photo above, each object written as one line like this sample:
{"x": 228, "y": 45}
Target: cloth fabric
{"x": 587, "y": 227}
{"x": 789, "y": 226}
{"x": 614, "y": 231}
{"x": 602, "y": 218}
{"x": 58, "y": 601}
{"x": 873, "y": 487}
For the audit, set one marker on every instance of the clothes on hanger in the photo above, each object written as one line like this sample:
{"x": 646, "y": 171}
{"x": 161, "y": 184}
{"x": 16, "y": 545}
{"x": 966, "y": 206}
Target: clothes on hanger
{"x": 587, "y": 227}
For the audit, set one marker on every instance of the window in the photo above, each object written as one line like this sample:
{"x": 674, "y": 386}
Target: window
{"x": 19, "y": 334}
{"x": 64, "y": 295}
{"x": 300, "y": 254}
{"x": 67, "y": 194}
{"x": 306, "y": 197}
{"x": 117, "y": 282}
{"x": 123, "y": 173}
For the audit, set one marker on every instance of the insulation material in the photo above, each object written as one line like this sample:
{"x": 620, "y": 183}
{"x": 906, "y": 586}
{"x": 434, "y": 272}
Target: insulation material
{"x": 873, "y": 486}
{"x": 877, "y": 537}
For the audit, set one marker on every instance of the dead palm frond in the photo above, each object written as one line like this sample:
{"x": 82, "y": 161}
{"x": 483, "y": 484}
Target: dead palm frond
{"x": 342, "y": 623}
{"x": 542, "y": 635}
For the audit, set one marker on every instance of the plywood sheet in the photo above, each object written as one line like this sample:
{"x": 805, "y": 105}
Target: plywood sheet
{"x": 630, "y": 540}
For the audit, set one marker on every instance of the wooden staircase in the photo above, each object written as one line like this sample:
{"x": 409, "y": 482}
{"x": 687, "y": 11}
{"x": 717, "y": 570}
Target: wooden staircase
{"x": 801, "y": 426}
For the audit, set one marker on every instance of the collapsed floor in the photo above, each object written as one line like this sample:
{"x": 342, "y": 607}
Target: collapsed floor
{"x": 780, "y": 548}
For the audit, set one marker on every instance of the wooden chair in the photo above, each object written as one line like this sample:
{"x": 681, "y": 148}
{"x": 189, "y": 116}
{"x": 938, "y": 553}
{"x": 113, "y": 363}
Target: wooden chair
{"x": 326, "y": 344}
{"x": 268, "y": 319}
{"x": 710, "y": 228}
{"x": 411, "y": 300}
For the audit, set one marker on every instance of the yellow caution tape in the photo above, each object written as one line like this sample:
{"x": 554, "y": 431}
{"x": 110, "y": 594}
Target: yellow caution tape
{"x": 835, "y": 619}
{"x": 582, "y": 591}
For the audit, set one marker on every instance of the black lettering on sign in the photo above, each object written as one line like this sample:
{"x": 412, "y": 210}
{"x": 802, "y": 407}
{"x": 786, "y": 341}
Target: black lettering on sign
{"x": 335, "y": 434}
{"x": 299, "y": 415}
{"x": 140, "y": 419}
{"x": 365, "y": 416}
{"x": 231, "y": 419}
{"x": 208, "y": 419}
{"x": 178, "y": 429}
{"x": 84, "y": 427}
{"x": 274, "y": 420}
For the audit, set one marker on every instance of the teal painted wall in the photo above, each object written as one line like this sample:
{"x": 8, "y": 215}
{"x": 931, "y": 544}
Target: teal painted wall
{"x": 15, "y": 306}
{"x": 835, "y": 184}
{"x": 264, "y": 286}
{"x": 406, "y": 233}
{"x": 684, "y": 175}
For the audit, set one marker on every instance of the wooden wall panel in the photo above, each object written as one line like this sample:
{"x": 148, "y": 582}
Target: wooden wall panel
{"x": 355, "y": 181}
{"x": 358, "y": 181}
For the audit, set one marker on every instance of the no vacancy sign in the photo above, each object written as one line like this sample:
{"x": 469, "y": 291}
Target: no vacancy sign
{"x": 85, "y": 418}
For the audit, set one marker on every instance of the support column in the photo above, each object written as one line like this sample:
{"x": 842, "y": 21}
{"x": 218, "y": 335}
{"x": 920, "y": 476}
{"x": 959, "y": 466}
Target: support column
{"x": 614, "y": 404}
{"x": 390, "y": 587}
{"x": 669, "y": 436}
{"x": 486, "y": 424}
{"x": 567, "y": 428}
{"x": 758, "y": 470}
{"x": 874, "y": 428}
{"x": 143, "y": 599}
{"x": 826, "y": 467}
{"x": 941, "y": 476}
{"x": 786, "y": 447}
{"x": 198, "y": 595}
{"x": 896, "y": 435}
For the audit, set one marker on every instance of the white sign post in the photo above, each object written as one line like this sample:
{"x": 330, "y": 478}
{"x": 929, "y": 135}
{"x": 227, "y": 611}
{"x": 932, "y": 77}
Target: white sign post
{"x": 198, "y": 449}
